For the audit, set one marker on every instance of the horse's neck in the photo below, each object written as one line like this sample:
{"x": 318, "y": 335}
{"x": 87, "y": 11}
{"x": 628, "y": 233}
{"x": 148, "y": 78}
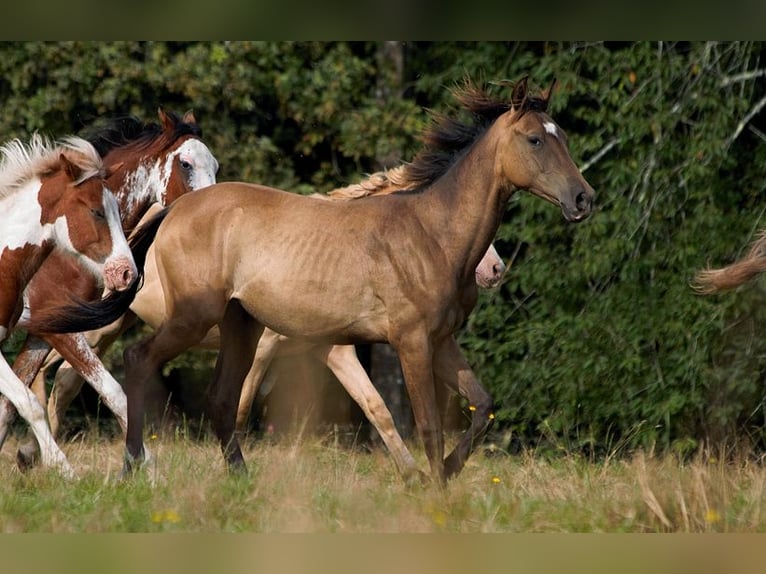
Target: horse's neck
{"x": 24, "y": 215}
{"x": 465, "y": 207}
{"x": 137, "y": 185}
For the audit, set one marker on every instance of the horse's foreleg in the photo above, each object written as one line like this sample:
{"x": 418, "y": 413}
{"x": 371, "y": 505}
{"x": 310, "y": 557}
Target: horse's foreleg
{"x": 345, "y": 365}
{"x": 451, "y": 369}
{"x": 68, "y": 382}
{"x": 142, "y": 362}
{"x": 239, "y": 337}
{"x": 416, "y": 356}
{"x": 264, "y": 354}
{"x": 74, "y": 348}
{"x": 26, "y": 366}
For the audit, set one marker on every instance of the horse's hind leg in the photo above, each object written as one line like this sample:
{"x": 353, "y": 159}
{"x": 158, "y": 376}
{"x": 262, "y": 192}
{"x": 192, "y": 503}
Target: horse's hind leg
{"x": 345, "y": 365}
{"x": 239, "y": 337}
{"x": 451, "y": 369}
{"x": 267, "y": 347}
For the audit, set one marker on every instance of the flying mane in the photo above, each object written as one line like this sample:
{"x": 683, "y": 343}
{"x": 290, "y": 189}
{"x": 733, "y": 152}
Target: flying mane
{"x": 105, "y": 135}
{"x": 22, "y": 161}
{"x": 446, "y": 138}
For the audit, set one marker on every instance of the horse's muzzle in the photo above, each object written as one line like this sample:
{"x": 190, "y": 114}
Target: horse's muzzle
{"x": 583, "y": 205}
{"x": 120, "y": 273}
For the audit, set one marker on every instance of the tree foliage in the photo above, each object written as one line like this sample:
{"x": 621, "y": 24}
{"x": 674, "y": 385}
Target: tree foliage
{"x": 595, "y": 340}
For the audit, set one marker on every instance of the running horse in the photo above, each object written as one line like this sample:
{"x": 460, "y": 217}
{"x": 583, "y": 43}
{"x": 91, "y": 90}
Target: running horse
{"x": 149, "y": 306}
{"x": 54, "y": 202}
{"x": 397, "y": 268}
{"x": 157, "y": 164}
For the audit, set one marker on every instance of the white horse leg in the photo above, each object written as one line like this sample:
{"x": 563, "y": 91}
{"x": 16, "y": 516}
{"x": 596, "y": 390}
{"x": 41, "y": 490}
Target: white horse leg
{"x": 32, "y": 411}
{"x": 345, "y": 365}
{"x": 34, "y": 353}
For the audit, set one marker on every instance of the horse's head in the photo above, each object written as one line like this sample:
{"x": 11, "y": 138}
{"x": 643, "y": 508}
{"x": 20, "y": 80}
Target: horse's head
{"x": 188, "y": 163}
{"x": 536, "y": 157}
{"x": 85, "y": 216}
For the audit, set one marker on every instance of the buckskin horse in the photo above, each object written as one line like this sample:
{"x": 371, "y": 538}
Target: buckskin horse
{"x": 149, "y": 306}
{"x": 53, "y": 197}
{"x": 397, "y": 268}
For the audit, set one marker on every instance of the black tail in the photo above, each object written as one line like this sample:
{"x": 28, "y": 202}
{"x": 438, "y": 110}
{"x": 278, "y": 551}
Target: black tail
{"x": 83, "y": 316}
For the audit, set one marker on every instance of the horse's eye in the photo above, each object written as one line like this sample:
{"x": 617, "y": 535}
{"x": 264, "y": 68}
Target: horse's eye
{"x": 98, "y": 214}
{"x": 534, "y": 141}
{"x": 185, "y": 165}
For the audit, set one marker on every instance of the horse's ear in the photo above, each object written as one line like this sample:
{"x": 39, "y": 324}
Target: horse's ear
{"x": 112, "y": 169}
{"x": 189, "y": 118}
{"x": 72, "y": 170}
{"x": 519, "y": 95}
{"x": 165, "y": 120}
{"x": 548, "y": 92}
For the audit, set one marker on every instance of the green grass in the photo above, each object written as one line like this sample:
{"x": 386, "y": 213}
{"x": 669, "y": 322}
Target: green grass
{"x": 309, "y": 485}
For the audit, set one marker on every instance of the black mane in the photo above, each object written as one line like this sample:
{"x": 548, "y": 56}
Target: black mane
{"x": 449, "y": 135}
{"x": 108, "y": 134}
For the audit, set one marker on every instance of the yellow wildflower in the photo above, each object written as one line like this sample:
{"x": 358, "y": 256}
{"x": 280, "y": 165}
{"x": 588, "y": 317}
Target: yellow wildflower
{"x": 712, "y": 516}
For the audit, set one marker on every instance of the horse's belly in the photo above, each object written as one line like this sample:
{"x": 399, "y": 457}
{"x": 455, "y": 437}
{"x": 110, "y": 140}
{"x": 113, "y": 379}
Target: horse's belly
{"x": 316, "y": 313}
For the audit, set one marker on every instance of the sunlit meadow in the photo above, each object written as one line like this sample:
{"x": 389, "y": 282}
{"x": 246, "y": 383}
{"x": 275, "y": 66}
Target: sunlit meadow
{"x": 314, "y": 485}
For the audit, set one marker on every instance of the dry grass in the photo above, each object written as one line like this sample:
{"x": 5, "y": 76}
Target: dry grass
{"x": 310, "y": 485}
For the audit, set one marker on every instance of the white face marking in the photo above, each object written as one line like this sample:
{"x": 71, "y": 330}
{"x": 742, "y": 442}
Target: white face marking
{"x": 550, "y": 127}
{"x": 21, "y": 218}
{"x": 150, "y": 181}
{"x": 112, "y": 213}
{"x": 204, "y": 165}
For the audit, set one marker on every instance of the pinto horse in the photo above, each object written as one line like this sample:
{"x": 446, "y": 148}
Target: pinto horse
{"x": 157, "y": 164}
{"x": 149, "y": 306}
{"x": 396, "y": 268}
{"x": 54, "y": 199}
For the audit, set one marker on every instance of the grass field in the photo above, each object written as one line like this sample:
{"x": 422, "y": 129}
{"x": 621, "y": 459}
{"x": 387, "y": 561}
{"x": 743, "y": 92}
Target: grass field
{"x": 313, "y": 485}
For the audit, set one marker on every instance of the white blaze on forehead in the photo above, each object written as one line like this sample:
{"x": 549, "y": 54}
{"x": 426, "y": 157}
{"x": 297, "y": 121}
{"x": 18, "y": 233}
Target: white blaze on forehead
{"x": 204, "y": 165}
{"x": 551, "y": 128}
{"x": 21, "y": 213}
{"x": 112, "y": 213}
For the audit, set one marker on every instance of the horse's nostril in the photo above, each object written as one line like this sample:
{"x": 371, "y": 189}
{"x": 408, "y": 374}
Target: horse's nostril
{"x": 582, "y": 201}
{"x": 127, "y": 276}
